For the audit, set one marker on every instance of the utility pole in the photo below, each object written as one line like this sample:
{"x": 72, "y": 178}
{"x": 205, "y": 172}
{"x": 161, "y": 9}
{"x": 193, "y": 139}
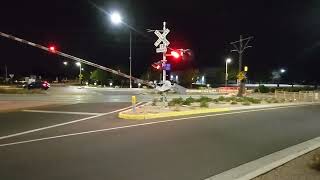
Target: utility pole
{"x": 240, "y": 46}
{"x": 130, "y": 58}
{"x": 6, "y": 70}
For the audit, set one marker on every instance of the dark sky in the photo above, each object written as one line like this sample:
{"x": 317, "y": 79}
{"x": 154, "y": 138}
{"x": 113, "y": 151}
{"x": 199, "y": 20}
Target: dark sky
{"x": 286, "y": 34}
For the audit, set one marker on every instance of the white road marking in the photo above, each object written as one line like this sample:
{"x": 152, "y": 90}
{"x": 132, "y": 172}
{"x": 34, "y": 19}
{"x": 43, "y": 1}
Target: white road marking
{"x": 63, "y": 124}
{"x": 267, "y": 163}
{"x": 62, "y": 112}
{"x": 144, "y": 124}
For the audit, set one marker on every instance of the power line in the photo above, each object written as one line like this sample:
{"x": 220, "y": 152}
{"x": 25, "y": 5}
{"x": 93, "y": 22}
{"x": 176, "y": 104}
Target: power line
{"x": 240, "y": 46}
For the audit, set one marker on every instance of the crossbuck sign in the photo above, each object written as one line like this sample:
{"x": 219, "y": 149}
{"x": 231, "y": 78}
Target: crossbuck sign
{"x": 162, "y": 37}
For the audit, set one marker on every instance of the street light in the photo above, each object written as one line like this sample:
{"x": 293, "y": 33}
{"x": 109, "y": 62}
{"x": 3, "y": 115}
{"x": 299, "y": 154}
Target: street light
{"x": 80, "y": 73}
{"x": 117, "y": 19}
{"x": 227, "y": 62}
{"x": 282, "y": 71}
{"x": 65, "y": 63}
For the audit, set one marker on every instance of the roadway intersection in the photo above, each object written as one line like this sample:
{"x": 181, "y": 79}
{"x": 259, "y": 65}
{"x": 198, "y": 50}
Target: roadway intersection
{"x": 88, "y": 141}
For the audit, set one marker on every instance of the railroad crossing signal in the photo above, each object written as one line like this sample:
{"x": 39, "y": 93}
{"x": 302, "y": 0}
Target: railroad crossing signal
{"x": 162, "y": 37}
{"x": 161, "y": 49}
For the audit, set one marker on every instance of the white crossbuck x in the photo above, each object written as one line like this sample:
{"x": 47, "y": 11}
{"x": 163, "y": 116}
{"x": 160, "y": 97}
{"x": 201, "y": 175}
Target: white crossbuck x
{"x": 162, "y": 37}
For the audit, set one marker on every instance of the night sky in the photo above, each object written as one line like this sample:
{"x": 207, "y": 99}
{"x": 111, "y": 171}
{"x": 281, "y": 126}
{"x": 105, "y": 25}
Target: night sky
{"x": 286, "y": 34}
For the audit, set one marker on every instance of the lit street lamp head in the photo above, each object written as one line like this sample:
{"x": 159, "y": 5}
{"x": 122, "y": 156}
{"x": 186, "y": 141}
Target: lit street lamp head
{"x": 65, "y": 63}
{"x": 115, "y": 18}
{"x": 282, "y": 70}
{"x": 228, "y": 60}
{"x": 78, "y": 63}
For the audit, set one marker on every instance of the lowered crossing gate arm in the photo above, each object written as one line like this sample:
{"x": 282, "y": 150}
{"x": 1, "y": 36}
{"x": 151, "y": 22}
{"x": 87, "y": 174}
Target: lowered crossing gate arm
{"x": 75, "y": 58}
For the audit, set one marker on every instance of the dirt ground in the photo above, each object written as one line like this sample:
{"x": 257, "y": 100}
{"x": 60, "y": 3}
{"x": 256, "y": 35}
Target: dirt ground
{"x": 297, "y": 169}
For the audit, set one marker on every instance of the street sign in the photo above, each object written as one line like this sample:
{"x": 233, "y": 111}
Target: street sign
{"x": 161, "y": 49}
{"x": 167, "y": 67}
{"x": 162, "y": 37}
{"x": 241, "y": 76}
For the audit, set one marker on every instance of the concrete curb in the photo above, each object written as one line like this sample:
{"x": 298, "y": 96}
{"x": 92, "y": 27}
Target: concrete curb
{"x": 265, "y": 164}
{"x": 123, "y": 114}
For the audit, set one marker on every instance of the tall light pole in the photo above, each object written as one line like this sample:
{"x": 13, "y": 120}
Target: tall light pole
{"x": 226, "y": 79}
{"x": 117, "y": 19}
{"x": 80, "y": 72}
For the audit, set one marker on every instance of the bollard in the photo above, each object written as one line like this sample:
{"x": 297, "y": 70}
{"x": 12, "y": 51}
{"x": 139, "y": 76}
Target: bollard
{"x": 133, "y": 101}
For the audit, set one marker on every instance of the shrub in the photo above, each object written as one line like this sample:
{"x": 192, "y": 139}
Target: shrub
{"x": 228, "y": 99}
{"x": 154, "y": 102}
{"x": 252, "y": 100}
{"x": 240, "y": 99}
{"x": 263, "y": 89}
{"x": 234, "y": 103}
{"x": 275, "y": 101}
{"x": 204, "y": 104}
{"x": 215, "y": 100}
{"x": 221, "y": 98}
{"x": 188, "y": 101}
{"x": 175, "y": 101}
{"x": 255, "y": 101}
{"x": 269, "y": 101}
{"x": 246, "y": 103}
{"x": 315, "y": 162}
{"x": 204, "y": 98}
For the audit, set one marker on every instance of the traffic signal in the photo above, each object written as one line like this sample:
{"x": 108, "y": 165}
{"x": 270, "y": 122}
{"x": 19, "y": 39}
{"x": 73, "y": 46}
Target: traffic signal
{"x": 52, "y": 49}
{"x": 157, "y": 65}
{"x": 175, "y": 54}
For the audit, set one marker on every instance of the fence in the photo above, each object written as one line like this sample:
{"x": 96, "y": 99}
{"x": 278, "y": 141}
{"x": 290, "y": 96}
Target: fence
{"x": 302, "y": 96}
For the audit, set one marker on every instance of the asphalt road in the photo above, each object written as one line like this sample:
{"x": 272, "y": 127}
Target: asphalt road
{"x": 72, "y": 94}
{"x": 105, "y": 147}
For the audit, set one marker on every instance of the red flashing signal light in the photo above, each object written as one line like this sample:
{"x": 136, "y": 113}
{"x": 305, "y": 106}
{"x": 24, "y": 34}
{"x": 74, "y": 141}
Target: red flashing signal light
{"x": 175, "y": 54}
{"x": 52, "y": 49}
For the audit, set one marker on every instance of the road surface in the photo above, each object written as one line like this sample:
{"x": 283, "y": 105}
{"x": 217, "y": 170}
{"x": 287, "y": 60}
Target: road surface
{"x": 74, "y": 94}
{"x": 97, "y": 145}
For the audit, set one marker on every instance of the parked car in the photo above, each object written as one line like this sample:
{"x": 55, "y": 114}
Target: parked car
{"x": 38, "y": 85}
